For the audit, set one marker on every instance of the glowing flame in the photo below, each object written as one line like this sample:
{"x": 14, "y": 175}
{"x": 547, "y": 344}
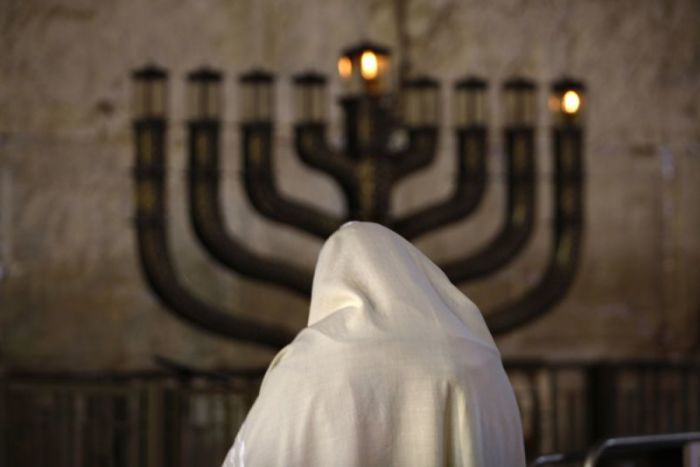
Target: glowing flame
{"x": 344, "y": 67}
{"x": 571, "y": 102}
{"x": 369, "y": 67}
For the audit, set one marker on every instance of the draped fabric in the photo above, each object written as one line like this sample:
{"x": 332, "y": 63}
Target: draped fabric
{"x": 395, "y": 368}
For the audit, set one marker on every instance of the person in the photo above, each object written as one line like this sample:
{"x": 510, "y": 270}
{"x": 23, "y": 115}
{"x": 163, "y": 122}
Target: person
{"x": 395, "y": 368}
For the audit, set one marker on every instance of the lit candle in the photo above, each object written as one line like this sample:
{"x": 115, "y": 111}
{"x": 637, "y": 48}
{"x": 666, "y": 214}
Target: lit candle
{"x": 566, "y": 102}
{"x": 344, "y": 67}
{"x": 571, "y": 102}
{"x": 364, "y": 69}
{"x": 369, "y": 66}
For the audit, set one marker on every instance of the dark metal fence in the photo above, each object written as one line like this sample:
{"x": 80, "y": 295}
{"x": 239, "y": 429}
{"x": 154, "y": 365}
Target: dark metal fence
{"x": 127, "y": 421}
{"x": 158, "y": 420}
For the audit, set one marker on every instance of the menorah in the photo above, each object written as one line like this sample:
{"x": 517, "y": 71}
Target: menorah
{"x": 387, "y": 136}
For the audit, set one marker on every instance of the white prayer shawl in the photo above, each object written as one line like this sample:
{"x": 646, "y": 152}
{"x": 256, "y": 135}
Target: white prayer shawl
{"x": 395, "y": 368}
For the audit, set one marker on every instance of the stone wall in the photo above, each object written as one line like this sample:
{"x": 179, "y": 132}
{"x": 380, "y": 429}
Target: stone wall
{"x": 71, "y": 293}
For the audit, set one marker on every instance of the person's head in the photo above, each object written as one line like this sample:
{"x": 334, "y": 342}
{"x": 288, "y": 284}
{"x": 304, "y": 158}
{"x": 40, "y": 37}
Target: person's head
{"x": 367, "y": 266}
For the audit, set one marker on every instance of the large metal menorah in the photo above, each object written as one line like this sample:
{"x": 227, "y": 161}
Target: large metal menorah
{"x": 366, "y": 169}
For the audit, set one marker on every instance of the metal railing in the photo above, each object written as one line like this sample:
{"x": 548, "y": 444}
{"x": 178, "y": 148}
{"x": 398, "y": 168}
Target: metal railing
{"x": 667, "y": 450}
{"x": 567, "y": 407}
{"x": 190, "y": 420}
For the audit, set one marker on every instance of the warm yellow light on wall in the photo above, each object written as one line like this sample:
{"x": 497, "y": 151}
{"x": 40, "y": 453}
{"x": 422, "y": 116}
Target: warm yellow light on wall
{"x": 344, "y": 67}
{"x": 369, "y": 66}
{"x": 570, "y": 102}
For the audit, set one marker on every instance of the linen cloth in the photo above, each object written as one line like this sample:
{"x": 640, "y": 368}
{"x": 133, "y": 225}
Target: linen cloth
{"x": 395, "y": 368}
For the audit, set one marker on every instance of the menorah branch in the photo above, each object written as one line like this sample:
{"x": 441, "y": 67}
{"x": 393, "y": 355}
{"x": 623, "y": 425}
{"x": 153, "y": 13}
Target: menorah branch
{"x": 261, "y": 188}
{"x": 207, "y": 218}
{"x": 567, "y": 228}
{"x": 520, "y": 212}
{"x": 470, "y": 183}
{"x": 312, "y": 147}
{"x": 150, "y": 176}
{"x": 420, "y": 152}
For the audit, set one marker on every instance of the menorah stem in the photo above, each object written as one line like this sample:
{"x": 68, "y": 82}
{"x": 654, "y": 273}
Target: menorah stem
{"x": 470, "y": 183}
{"x": 367, "y": 126}
{"x": 156, "y": 263}
{"x": 567, "y": 227}
{"x": 261, "y": 188}
{"x": 520, "y": 212}
{"x": 372, "y": 202}
{"x": 206, "y": 215}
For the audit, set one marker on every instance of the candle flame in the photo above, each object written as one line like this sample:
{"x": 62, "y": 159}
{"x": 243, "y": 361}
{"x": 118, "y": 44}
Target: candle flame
{"x": 571, "y": 102}
{"x": 369, "y": 65}
{"x": 344, "y": 67}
